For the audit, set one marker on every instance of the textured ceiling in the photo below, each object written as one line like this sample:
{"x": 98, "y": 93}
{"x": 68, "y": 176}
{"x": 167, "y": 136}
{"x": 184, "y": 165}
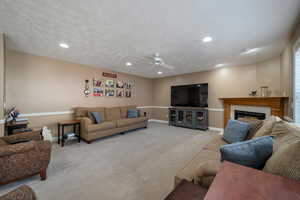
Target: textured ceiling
{"x": 109, "y": 33}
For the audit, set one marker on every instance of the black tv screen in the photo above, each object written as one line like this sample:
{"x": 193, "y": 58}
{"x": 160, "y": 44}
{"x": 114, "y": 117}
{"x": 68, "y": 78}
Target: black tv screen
{"x": 190, "y": 95}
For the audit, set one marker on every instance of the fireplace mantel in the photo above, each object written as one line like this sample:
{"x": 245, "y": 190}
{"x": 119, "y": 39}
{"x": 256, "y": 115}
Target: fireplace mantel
{"x": 275, "y": 103}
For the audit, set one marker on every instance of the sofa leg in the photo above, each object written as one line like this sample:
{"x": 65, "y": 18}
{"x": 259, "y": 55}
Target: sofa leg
{"x": 43, "y": 174}
{"x": 122, "y": 133}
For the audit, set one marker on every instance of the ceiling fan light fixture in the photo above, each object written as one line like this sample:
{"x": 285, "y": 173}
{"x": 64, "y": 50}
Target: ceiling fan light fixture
{"x": 128, "y": 64}
{"x": 221, "y": 65}
{"x": 64, "y": 45}
{"x": 251, "y": 51}
{"x": 207, "y": 39}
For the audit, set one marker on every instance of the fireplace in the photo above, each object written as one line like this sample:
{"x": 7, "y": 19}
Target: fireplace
{"x": 246, "y": 114}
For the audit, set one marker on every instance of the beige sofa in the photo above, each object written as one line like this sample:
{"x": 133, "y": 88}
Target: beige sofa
{"x": 284, "y": 161}
{"x": 115, "y": 121}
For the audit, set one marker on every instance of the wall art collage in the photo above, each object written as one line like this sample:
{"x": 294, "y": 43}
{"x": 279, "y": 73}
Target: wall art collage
{"x": 111, "y": 88}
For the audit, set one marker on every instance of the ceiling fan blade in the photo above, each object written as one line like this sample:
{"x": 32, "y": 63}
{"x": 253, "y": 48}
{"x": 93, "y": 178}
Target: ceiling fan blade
{"x": 168, "y": 66}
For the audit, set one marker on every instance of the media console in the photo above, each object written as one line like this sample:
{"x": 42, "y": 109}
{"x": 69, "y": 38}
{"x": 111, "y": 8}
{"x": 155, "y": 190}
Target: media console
{"x": 195, "y": 118}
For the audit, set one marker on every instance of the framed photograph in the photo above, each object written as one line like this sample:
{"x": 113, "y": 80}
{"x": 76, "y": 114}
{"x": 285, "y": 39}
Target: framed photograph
{"x": 97, "y": 83}
{"x": 119, "y": 93}
{"x": 109, "y": 92}
{"x": 120, "y": 84}
{"x": 109, "y": 83}
{"x": 128, "y": 85}
{"x": 128, "y": 93}
{"x": 98, "y": 92}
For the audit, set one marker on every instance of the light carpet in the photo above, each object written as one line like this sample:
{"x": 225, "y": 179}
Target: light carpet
{"x": 139, "y": 165}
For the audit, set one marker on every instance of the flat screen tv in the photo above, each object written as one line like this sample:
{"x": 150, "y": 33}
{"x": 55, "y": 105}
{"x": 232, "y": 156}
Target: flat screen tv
{"x": 190, "y": 95}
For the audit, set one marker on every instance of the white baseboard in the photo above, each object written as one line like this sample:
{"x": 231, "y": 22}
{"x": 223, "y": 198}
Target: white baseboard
{"x": 159, "y": 121}
{"x": 166, "y": 122}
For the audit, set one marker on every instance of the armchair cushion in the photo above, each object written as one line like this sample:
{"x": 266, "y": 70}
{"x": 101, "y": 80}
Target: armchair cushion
{"x": 23, "y": 137}
{"x": 17, "y": 148}
{"x": 2, "y": 142}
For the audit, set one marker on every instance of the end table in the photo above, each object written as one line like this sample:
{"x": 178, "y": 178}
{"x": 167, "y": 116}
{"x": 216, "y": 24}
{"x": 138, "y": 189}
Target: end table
{"x": 61, "y": 130}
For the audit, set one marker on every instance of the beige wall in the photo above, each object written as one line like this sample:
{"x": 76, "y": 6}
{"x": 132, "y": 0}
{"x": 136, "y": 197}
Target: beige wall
{"x": 38, "y": 84}
{"x": 2, "y": 71}
{"x": 236, "y": 81}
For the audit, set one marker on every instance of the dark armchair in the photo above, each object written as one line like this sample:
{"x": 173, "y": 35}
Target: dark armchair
{"x": 23, "y": 155}
{"x": 21, "y": 193}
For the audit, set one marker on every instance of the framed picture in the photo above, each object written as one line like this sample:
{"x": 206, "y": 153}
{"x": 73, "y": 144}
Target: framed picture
{"x": 109, "y": 83}
{"x": 109, "y": 92}
{"x": 119, "y": 93}
{"x": 128, "y": 93}
{"x": 98, "y": 92}
{"x": 127, "y": 85}
{"x": 97, "y": 83}
{"x": 120, "y": 84}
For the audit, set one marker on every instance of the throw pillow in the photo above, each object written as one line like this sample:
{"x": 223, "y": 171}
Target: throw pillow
{"x": 251, "y": 153}
{"x": 285, "y": 161}
{"x": 236, "y": 131}
{"x": 255, "y": 125}
{"x": 132, "y": 113}
{"x": 97, "y": 117}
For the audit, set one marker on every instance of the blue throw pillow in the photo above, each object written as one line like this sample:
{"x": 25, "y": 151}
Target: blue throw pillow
{"x": 252, "y": 153}
{"x": 132, "y": 113}
{"x": 236, "y": 131}
{"x": 97, "y": 117}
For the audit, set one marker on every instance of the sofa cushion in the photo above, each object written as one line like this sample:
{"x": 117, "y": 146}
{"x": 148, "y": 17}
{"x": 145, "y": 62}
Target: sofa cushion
{"x": 124, "y": 110}
{"x": 103, "y": 126}
{"x": 190, "y": 170}
{"x": 236, "y": 131}
{"x": 251, "y": 153}
{"x": 255, "y": 125}
{"x": 100, "y": 110}
{"x": 267, "y": 127}
{"x": 130, "y": 121}
{"x": 215, "y": 143}
{"x": 285, "y": 161}
{"x": 113, "y": 113}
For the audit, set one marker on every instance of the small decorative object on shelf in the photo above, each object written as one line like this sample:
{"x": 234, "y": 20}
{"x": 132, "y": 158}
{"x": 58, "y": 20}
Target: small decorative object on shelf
{"x": 253, "y": 93}
{"x": 87, "y": 88}
{"x": 264, "y": 91}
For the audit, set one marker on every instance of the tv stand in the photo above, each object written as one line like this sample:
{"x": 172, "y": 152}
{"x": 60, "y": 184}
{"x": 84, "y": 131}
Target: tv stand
{"x": 195, "y": 118}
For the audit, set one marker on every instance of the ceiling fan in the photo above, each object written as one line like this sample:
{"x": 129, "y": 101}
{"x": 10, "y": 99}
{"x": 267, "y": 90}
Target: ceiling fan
{"x": 157, "y": 61}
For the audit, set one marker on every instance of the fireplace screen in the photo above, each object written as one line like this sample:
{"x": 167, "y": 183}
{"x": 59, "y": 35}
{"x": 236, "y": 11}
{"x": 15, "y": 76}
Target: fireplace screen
{"x": 245, "y": 114}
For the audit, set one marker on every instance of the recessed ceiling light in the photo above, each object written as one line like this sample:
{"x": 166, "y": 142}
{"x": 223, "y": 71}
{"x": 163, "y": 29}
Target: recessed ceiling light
{"x": 221, "y": 65}
{"x": 64, "y": 45}
{"x": 128, "y": 64}
{"x": 251, "y": 51}
{"x": 159, "y": 72}
{"x": 207, "y": 39}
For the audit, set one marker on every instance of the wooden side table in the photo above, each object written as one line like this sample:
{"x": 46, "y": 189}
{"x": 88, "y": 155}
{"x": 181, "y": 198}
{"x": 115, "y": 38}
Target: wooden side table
{"x": 61, "y": 130}
{"x": 236, "y": 182}
{"x": 187, "y": 191}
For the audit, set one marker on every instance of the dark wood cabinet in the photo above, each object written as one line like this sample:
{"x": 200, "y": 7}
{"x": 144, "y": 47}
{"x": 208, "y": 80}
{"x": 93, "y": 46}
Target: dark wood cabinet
{"x": 195, "y": 118}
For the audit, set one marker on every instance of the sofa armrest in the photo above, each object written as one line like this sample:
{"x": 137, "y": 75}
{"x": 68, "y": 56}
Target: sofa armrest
{"x": 85, "y": 122}
{"x": 44, "y": 148}
{"x": 206, "y": 173}
{"x": 33, "y": 135}
{"x": 23, "y": 147}
{"x": 21, "y": 193}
